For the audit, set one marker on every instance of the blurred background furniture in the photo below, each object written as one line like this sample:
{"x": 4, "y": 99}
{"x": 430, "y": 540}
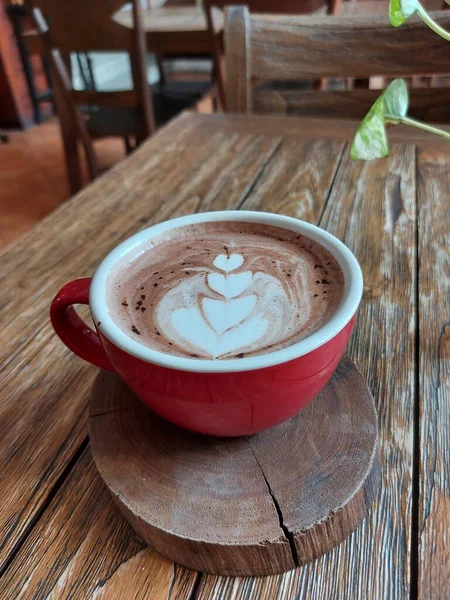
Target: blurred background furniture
{"x": 269, "y": 48}
{"x": 289, "y": 7}
{"x": 81, "y": 27}
{"x": 33, "y": 177}
{"x": 16, "y": 109}
{"x": 36, "y": 70}
{"x": 175, "y": 31}
{"x": 89, "y": 113}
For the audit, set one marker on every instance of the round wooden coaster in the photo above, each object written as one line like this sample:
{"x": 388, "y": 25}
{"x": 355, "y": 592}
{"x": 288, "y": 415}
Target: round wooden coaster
{"x": 243, "y": 506}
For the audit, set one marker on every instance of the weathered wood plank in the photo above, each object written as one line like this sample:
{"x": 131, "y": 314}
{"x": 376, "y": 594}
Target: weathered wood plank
{"x": 237, "y": 58}
{"x": 372, "y": 209}
{"x": 298, "y": 179}
{"x": 149, "y": 575}
{"x": 428, "y": 104}
{"x": 284, "y": 48}
{"x": 42, "y": 413}
{"x": 297, "y": 47}
{"x": 434, "y": 369}
{"x": 234, "y": 526}
{"x": 309, "y": 128}
{"x": 82, "y": 548}
{"x": 183, "y": 169}
{"x": 368, "y": 203}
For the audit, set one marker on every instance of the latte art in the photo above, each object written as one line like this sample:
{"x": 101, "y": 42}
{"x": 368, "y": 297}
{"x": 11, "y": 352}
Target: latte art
{"x": 225, "y": 312}
{"x": 225, "y": 290}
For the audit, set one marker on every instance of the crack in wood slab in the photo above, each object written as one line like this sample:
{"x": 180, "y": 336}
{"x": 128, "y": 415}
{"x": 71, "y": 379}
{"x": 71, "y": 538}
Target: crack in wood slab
{"x": 288, "y": 534}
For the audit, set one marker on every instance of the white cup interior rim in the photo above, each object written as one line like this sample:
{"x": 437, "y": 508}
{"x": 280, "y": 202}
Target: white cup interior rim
{"x": 353, "y": 288}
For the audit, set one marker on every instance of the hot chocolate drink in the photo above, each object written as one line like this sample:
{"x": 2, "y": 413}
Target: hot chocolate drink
{"x": 221, "y": 290}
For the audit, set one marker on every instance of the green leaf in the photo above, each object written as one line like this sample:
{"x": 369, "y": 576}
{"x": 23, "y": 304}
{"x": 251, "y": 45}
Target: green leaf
{"x": 391, "y": 107}
{"x": 396, "y": 101}
{"x": 401, "y": 10}
{"x": 370, "y": 141}
{"x": 396, "y": 16}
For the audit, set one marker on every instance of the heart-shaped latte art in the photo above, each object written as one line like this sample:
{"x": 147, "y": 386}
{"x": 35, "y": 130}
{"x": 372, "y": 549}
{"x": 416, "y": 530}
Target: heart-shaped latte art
{"x": 222, "y": 315}
{"x": 191, "y": 326}
{"x": 230, "y": 286}
{"x": 228, "y": 263}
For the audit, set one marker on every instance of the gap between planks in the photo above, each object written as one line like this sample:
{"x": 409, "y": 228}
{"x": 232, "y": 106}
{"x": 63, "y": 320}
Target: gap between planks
{"x": 415, "y": 484}
{"x": 258, "y": 175}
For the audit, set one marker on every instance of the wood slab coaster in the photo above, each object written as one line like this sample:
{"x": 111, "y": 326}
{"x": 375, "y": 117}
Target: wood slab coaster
{"x": 253, "y": 505}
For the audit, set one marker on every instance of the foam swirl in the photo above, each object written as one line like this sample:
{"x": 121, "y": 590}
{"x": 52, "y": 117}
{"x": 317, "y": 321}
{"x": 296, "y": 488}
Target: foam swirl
{"x": 239, "y": 290}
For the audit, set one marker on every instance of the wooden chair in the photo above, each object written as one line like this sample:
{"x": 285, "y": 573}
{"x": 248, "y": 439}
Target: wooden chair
{"x": 288, "y": 7}
{"x": 269, "y": 48}
{"x": 83, "y": 26}
{"x": 87, "y": 26}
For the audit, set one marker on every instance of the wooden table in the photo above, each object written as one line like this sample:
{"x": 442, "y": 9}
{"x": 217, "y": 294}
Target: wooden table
{"x": 175, "y": 30}
{"x": 61, "y": 536}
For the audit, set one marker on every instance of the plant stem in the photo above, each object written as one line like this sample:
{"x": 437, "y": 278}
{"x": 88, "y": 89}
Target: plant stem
{"x": 431, "y": 23}
{"x": 420, "y": 125}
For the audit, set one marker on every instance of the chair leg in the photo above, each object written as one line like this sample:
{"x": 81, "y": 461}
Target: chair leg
{"x": 129, "y": 147}
{"x": 73, "y": 126}
{"x": 69, "y": 139}
{"x": 72, "y": 159}
{"x": 218, "y": 76}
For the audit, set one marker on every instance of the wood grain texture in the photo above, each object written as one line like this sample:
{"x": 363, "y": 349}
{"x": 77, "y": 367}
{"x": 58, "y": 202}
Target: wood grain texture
{"x": 203, "y": 162}
{"x": 372, "y": 209}
{"x": 252, "y": 505}
{"x": 216, "y": 34}
{"x": 297, "y": 180}
{"x": 181, "y": 171}
{"x": 429, "y": 104}
{"x": 434, "y": 377}
{"x": 345, "y": 47}
{"x": 83, "y": 549}
{"x": 310, "y": 128}
{"x": 237, "y": 56}
{"x": 294, "y": 48}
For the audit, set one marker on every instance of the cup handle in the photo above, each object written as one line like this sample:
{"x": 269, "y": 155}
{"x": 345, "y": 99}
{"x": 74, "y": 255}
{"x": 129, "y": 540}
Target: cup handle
{"x": 71, "y": 328}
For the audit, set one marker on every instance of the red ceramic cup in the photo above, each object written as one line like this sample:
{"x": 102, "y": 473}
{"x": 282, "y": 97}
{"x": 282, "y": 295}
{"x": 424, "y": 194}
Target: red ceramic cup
{"x": 219, "y": 397}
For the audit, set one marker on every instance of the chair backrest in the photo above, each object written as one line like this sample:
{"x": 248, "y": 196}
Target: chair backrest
{"x": 86, "y": 26}
{"x": 290, "y": 7}
{"x": 279, "y": 48}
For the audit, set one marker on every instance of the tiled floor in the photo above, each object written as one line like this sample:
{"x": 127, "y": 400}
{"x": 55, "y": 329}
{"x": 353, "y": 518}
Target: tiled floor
{"x": 33, "y": 179}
